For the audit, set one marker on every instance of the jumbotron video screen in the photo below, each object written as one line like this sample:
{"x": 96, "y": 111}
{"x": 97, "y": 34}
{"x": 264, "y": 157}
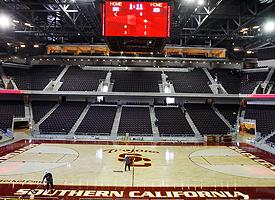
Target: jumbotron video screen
{"x": 136, "y": 19}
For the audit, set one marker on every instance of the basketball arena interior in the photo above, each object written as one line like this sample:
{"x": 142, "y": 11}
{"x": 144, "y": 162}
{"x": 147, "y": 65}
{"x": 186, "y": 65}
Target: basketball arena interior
{"x": 180, "y": 91}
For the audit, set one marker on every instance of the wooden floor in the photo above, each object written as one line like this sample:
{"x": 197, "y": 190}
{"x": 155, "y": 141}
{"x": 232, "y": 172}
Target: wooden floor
{"x": 101, "y": 165}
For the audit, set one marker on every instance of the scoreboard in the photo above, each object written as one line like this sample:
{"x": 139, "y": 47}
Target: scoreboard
{"x": 136, "y": 19}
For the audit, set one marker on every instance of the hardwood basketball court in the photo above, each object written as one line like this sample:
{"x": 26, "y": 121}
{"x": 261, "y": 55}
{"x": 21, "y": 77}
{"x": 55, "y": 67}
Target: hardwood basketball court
{"x": 159, "y": 170}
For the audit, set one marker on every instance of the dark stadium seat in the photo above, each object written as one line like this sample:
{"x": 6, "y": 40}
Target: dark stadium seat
{"x": 250, "y": 81}
{"x": 136, "y": 81}
{"x": 136, "y": 121}
{"x": 63, "y": 118}
{"x": 206, "y": 120}
{"x": 195, "y": 81}
{"x": 229, "y": 78}
{"x": 172, "y": 122}
{"x": 98, "y": 121}
{"x": 229, "y": 111}
{"x": 77, "y": 79}
{"x": 264, "y": 116}
{"x": 8, "y": 110}
{"x": 41, "y": 108}
{"x": 35, "y": 78}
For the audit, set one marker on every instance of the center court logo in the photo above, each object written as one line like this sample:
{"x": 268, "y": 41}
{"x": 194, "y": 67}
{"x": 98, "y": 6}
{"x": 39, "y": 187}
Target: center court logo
{"x": 137, "y": 160}
{"x": 135, "y": 155}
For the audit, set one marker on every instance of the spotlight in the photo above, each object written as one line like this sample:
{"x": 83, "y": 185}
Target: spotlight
{"x": 201, "y": 2}
{"x": 5, "y": 21}
{"x": 170, "y": 100}
{"x": 22, "y": 45}
{"x": 249, "y": 52}
{"x": 27, "y": 24}
{"x": 244, "y": 30}
{"x": 36, "y": 46}
{"x": 269, "y": 26}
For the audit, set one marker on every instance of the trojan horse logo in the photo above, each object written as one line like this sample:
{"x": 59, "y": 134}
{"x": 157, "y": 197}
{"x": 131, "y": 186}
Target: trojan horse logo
{"x": 137, "y": 160}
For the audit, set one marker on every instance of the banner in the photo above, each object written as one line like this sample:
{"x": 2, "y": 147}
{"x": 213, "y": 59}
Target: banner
{"x": 248, "y": 126}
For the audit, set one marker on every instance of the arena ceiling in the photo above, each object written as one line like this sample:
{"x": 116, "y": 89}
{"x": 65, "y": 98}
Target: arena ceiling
{"x": 217, "y": 23}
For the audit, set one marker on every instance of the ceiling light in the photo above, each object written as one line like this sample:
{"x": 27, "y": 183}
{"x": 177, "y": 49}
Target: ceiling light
{"x": 27, "y": 24}
{"x": 36, "y": 46}
{"x": 5, "y": 21}
{"x": 249, "y": 52}
{"x": 269, "y": 26}
{"x": 244, "y": 29}
{"x": 201, "y": 2}
{"x": 22, "y": 45}
{"x": 170, "y": 100}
